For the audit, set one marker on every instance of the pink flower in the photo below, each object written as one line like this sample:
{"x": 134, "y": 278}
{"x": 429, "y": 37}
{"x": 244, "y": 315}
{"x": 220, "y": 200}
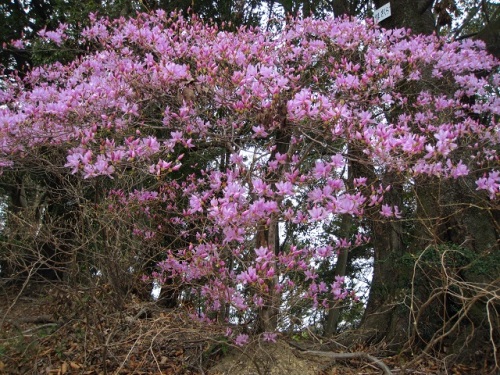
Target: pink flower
{"x": 321, "y": 169}
{"x": 310, "y": 275}
{"x": 232, "y": 233}
{"x": 260, "y": 187}
{"x": 241, "y": 340}
{"x": 324, "y": 251}
{"x": 337, "y": 161}
{"x": 317, "y": 213}
{"x": 19, "y": 44}
{"x": 491, "y": 183}
{"x": 460, "y": 170}
{"x": 386, "y": 210}
{"x": 151, "y": 145}
{"x": 360, "y": 181}
{"x": 316, "y": 195}
{"x": 337, "y": 288}
{"x": 56, "y": 36}
{"x": 263, "y": 254}
{"x": 284, "y": 188}
{"x": 281, "y": 158}
{"x": 102, "y": 167}
{"x": 249, "y": 276}
{"x": 196, "y": 204}
{"x": 239, "y": 302}
{"x": 259, "y": 131}
{"x": 397, "y": 213}
{"x": 176, "y": 136}
{"x": 116, "y": 156}
{"x": 269, "y": 336}
{"x": 73, "y": 162}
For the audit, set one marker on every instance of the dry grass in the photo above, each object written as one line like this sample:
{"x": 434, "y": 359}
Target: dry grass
{"x": 58, "y": 333}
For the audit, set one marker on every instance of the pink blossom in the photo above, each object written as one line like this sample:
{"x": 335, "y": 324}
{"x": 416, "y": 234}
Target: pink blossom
{"x": 233, "y": 234}
{"x": 176, "y": 136}
{"x": 324, "y": 251}
{"x": 337, "y": 288}
{"x": 122, "y": 110}
{"x": 196, "y": 204}
{"x": 460, "y": 170}
{"x": 73, "y": 162}
{"x": 321, "y": 169}
{"x": 386, "y": 210}
{"x": 360, "y": 181}
{"x": 56, "y": 36}
{"x": 281, "y": 158}
{"x": 310, "y": 275}
{"x": 19, "y": 44}
{"x": 241, "y": 340}
{"x": 317, "y": 213}
{"x": 490, "y": 183}
{"x": 269, "y": 336}
{"x": 316, "y": 195}
{"x": 263, "y": 254}
{"x": 102, "y": 167}
{"x": 284, "y": 188}
{"x": 249, "y": 276}
{"x": 151, "y": 145}
{"x": 337, "y": 161}
{"x": 259, "y": 131}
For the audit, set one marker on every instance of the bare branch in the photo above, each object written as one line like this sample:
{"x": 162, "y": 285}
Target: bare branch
{"x": 362, "y": 355}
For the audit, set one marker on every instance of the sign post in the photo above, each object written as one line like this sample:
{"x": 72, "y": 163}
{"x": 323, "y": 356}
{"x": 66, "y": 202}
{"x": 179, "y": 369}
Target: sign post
{"x": 382, "y": 13}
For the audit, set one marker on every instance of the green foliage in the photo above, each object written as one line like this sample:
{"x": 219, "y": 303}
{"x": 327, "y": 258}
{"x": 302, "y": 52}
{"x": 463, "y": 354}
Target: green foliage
{"x": 455, "y": 258}
{"x": 301, "y": 336}
{"x": 220, "y": 348}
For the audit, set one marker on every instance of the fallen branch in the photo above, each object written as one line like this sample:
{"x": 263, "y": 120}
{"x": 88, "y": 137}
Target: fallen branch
{"x": 40, "y": 319}
{"x": 363, "y": 355}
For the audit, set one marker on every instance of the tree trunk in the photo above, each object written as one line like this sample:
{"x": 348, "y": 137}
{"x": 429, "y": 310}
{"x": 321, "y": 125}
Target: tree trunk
{"x": 334, "y": 310}
{"x": 386, "y": 316}
{"x": 413, "y": 14}
{"x": 268, "y": 236}
{"x": 433, "y": 284}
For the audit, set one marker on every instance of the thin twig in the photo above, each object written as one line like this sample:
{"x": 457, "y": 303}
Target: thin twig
{"x": 363, "y": 355}
{"x": 28, "y": 278}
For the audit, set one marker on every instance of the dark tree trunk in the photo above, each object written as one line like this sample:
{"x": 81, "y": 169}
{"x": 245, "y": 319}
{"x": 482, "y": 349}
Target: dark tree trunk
{"x": 413, "y": 14}
{"x": 268, "y": 236}
{"x": 334, "y": 311}
{"x": 386, "y": 316}
{"x": 431, "y": 282}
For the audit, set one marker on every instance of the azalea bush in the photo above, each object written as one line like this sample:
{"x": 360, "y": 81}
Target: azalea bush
{"x": 231, "y": 153}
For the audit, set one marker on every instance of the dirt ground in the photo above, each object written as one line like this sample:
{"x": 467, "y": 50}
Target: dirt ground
{"x": 50, "y": 332}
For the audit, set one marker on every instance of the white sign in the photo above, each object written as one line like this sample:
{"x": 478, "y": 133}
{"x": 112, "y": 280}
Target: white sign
{"x": 382, "y": 13}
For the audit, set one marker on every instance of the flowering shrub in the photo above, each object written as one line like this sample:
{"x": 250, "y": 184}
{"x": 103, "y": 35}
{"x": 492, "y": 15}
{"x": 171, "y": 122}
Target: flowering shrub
{"x": 235, "y": 140}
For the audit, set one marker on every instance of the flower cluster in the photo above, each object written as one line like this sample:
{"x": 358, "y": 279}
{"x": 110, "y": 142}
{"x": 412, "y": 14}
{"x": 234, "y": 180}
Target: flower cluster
{"x": 245, "y": 133}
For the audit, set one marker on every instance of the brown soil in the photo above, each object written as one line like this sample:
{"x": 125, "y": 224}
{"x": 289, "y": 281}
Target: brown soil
{"x": 52, "y": 332}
